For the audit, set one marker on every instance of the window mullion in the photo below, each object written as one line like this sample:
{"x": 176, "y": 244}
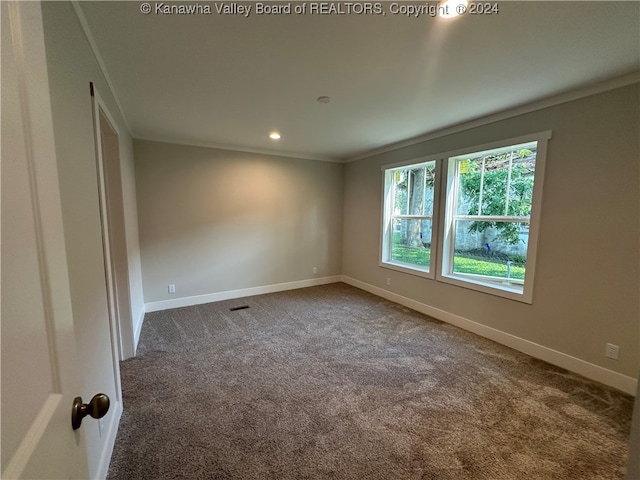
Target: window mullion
{"x": 481, "y": 186}
{"x": 408, "y": 192}
{"x": 394, "y": 192}
{"x": 424, "y": 189}
{"x": 506, "y": 203}
{"x": 414, "y": 217}
{"x": 493, "y": 218}
{"x": 451, "y": 214}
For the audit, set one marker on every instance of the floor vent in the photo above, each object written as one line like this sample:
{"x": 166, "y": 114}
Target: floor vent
{"x": 239, "y": 308}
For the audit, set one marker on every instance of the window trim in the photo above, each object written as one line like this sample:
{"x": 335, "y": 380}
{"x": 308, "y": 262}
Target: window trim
{"x": 384, "y": 257}
{"x": 445, "y": 260}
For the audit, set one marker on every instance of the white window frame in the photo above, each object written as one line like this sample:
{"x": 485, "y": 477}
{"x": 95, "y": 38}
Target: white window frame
{"x": 386, "y": 237}
{"x": 442, "y": 220}
{"x": 445, "y": 261}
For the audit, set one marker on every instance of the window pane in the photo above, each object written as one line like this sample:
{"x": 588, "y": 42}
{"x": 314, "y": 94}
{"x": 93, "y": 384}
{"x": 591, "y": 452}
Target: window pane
{"x": 429, "y": 181}
{"x": 493, "y": 250}
{"x": 521, "y": 184}
{"x": 413, "y": 188}
{"x": 411, "y": 242}
{"x": 470, "y": 179}
{"x": 497, "y": 182}
{"x": 400, "y": 188}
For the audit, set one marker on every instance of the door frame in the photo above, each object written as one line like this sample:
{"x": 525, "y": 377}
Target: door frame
{"x": 104, "y": 125}
{"x": 110, "y": 190}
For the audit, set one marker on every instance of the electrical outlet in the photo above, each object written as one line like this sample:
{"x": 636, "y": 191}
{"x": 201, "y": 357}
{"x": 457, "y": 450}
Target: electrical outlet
{"x": 172, "y": 289}
{"x": 612, "y": 351}
{"x": 388, "y": 280}
{"x": 315, "y": 269}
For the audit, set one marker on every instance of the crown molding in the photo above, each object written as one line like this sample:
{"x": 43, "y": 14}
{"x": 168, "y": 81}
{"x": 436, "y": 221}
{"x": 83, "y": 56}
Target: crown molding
{"x": 546, "y": 102}
{"x": 84, "y": 24}
{"x": 236, "y": 148}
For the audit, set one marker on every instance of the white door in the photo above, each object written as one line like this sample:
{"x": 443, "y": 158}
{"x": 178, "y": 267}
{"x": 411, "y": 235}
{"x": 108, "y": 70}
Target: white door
{"x": 40, "y": 376}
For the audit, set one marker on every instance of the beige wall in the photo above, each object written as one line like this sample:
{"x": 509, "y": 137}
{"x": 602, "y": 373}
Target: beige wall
{"x": 215, "y": 220}
{"x": 587, "y": 275}
{"x": 72, "y": 67}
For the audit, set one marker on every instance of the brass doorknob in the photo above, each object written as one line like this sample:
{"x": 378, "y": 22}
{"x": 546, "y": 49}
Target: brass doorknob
{"x": 97, "y": 408}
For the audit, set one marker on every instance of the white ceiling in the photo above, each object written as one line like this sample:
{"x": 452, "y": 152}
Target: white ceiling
{"x": 227, "y": 80}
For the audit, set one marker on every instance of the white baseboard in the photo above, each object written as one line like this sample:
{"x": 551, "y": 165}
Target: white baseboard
{"x": 137, "y": 328}
{"x": 109, "y": 441}
{"x": 594, "y": 372}
{"x": 231, "y": 294}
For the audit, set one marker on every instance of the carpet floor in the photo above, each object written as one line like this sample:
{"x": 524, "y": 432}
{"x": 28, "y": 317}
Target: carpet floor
{"x": 332, "y": 382}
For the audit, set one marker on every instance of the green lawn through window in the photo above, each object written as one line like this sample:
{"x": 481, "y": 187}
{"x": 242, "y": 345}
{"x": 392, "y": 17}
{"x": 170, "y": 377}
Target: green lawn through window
{"x": 461, "y": 263}
{"x": 414, "y": 256}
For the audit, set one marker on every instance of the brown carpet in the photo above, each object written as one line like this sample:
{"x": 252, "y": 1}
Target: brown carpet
{"x": 331, "y": 382}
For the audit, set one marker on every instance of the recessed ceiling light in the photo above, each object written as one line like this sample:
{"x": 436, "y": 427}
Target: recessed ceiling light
{"x": 324, "y": 99}
{"x": 274, "y": 136}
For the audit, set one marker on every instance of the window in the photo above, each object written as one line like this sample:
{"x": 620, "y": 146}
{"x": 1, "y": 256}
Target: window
{"x": 408, "y": 220}
{"x": 490, "y": 206}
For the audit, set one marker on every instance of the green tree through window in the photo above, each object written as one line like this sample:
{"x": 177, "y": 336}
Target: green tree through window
{"x": 498, "y": 185}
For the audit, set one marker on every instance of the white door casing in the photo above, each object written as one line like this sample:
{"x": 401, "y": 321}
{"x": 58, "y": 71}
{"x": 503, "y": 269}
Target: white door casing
{"x": 113, "y": 221}
{"x": 40, "y": 375}
{"x": 106, "y": 144}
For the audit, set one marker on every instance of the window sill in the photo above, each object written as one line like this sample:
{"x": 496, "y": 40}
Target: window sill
{"x": 406, "y": 268}
{"x": 512, "y": 292}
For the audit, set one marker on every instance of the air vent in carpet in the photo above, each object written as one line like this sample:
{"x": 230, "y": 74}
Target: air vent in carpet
{"x": 239, "y": 308}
